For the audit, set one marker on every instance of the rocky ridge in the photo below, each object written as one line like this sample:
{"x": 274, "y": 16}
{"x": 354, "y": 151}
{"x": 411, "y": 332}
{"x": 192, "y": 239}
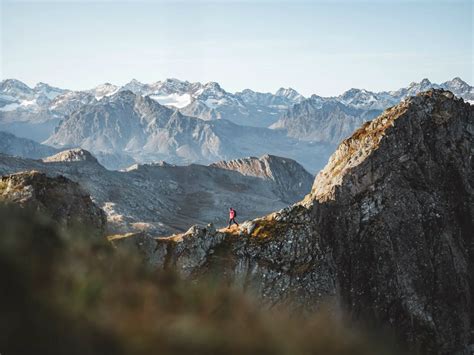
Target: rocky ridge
{"x": 59, "y": 198}
{"x": 289, "y": 176}
{"x": 385, "y": 235}
{"x": 161, "y": 198}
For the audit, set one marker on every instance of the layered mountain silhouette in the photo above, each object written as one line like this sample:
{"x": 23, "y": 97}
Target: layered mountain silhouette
{"x": 161, "y": 198}
{"x": 141, "y": 129}
{"x": 184, "y": 122}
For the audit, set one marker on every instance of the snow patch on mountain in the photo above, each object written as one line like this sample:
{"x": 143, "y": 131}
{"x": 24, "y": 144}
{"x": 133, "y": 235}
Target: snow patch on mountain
{"x": 174, "y": 100}
{"x": 104, "y": 90}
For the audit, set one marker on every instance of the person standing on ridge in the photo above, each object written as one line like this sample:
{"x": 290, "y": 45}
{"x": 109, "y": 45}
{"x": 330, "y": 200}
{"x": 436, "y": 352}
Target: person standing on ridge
{"x": 232, "y": 215}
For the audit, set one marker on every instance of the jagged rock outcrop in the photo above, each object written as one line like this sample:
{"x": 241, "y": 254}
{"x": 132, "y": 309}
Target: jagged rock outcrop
{"x": 57, "y": 197}
{"x": 386, "y": 233}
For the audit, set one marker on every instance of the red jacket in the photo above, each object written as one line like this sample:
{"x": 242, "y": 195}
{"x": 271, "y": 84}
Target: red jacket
{"x": 231, "y": 214}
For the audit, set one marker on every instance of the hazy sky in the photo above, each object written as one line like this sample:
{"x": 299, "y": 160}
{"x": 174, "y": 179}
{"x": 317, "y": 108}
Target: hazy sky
{"x": 312, "y": 46}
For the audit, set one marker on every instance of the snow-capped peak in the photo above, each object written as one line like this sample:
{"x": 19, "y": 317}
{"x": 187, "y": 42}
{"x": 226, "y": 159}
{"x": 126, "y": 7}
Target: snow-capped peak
{"x": 16, "y": 88}
{"x": 425, "y": 82}
{"x": 135, "y": 86}
{"x": 48, "y": 91}
{"x": 289, "y": 93}
{"x": 422, "y": 84}
{"x": 170, "y": 86}
{"x": 284, "y": 91}
{"x": 106, "y": 89}
{"x": 135, "y": 82}
{"x": 457, "y": 84}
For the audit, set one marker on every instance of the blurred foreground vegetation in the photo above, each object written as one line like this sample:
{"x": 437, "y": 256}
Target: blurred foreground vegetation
{"x": 68, "y": 293}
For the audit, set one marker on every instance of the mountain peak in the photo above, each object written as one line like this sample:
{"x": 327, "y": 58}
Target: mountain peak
{"x": 134, "y": 81}
{"x": 133, "y": 85}
{"x": 103, "y": 90}
{"x": 354, "y": 150}
{"x": 213, "y": 85}
{"x": 424, "y": 83}
{"x": 457, "y": 79}
{"x": 15, "y": 87}
{"x": 13, "y": 82}
{"x": 174, "y": 80}
{"x": 287, "y": 92}
{"x": 458, "y": 86}
{"x": 71, "y": 155}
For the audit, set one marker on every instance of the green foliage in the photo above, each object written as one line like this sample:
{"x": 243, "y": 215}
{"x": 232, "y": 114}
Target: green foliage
{"x": 67, "y": 293}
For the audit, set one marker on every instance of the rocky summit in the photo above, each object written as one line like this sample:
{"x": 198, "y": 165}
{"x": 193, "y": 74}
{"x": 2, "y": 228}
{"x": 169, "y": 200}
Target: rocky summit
{"x": 386, "y": 234}
{"x": 59, "y": 198}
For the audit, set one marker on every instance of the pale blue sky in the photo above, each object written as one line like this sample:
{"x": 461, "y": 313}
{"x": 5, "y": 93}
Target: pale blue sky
{"x": 312, "y": 46}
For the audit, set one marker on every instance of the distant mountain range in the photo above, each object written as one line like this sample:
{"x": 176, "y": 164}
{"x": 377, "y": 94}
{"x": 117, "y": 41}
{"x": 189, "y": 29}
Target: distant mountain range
{"x": 332, "y": 119}
{"x": 139, "y": 128}
{"x": 183, "y": 122}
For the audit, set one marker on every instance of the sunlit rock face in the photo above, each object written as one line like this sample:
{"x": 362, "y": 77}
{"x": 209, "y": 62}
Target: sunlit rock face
{"x": 58, "y": 198}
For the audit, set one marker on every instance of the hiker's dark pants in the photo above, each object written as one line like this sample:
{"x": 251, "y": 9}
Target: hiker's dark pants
{"x": 232, "y": 220}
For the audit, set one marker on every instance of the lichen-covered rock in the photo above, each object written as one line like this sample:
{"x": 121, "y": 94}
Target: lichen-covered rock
{"x": 57, "y": 197}
{"x": 386, "y": 233}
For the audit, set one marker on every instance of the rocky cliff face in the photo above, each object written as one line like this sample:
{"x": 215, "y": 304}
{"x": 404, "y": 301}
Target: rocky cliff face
{"x": 385, "y": 234}
{"x": 59, "y": 198}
